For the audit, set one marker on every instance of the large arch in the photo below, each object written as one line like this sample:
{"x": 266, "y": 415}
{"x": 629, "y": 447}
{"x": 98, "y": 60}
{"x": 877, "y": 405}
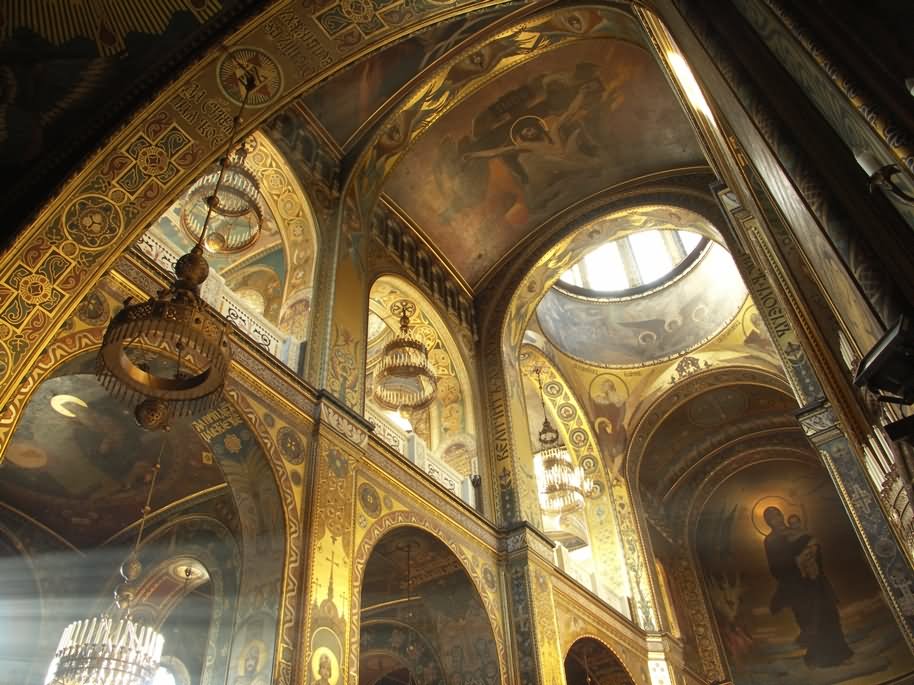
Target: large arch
{"x": 450, "y": 630}
{"x": 390, "y": 524}
{"x": 503, "y": 335}
{"x": 590, "y": 660}
{"x": 449, "y": 426}
{"x": 259, "y": 486}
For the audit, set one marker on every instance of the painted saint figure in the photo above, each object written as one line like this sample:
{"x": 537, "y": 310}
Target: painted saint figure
{"x": 795, "y": 561}
{"x": 324, "y": 670}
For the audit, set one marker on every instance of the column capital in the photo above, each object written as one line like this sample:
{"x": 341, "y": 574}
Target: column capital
{"x": 524, "y": 537}
{"x": 819, "y": 422}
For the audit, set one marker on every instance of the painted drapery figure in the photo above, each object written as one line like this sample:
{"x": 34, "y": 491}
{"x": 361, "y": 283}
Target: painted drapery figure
{"x": 795, "y": 561}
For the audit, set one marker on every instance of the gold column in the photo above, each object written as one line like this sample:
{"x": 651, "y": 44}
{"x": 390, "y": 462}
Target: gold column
{"x": 534, "y": 628}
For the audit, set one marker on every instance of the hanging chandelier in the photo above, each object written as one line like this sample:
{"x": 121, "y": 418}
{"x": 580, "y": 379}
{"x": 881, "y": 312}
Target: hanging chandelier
{"x": 563, "y": 486}
{"x": 113, "y": 648}
{"x": 404, "y": 379}
{"x": 237, "y": 214}
{"x": 170, "y": 354}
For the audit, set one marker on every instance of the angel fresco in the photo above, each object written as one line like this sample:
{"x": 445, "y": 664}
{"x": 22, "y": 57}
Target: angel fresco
{"x": 607, "y": 396}
{"x": 528, "y": 146}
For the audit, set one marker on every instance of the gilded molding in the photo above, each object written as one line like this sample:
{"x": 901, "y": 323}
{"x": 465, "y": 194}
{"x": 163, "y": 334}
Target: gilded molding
{"x": 347, "y": 424}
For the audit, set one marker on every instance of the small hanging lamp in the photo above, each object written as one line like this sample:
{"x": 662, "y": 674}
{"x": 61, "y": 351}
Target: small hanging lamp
{"x": 236, "y": 218}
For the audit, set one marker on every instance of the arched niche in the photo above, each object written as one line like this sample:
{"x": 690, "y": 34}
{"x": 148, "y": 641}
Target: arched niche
{"x": 77, "y": 463}
{"x": 786, "y": 579}
{"x": 447, "y": 427}
{"x": 420, "y": 611}
{"x": 267, "y": 288}
{"x": 590, "y": 662}
{"x": 684, "y": 433}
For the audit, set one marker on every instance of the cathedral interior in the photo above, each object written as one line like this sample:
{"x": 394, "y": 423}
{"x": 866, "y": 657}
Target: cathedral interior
{"x": 456, "y": 342}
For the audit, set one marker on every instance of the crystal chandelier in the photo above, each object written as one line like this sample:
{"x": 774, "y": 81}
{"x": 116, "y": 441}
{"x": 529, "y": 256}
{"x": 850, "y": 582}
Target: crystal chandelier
{"x": 563, "y": 486}
{"x": 404, "y": 379}
{"x": 112, "y": 648}
{"x": 237, "y": 214}
{"x": 190, "y": 343}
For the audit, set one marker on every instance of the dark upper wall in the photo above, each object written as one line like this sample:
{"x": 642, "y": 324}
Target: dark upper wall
{"x": 69, "y": 77}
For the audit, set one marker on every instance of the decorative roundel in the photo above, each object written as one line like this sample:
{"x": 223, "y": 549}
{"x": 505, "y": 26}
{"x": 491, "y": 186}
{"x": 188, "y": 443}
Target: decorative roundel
{"x": 370, "y": 500}
{"x": 488, "y": 577}
{"x": 552, "y": 388}
{"x": 589, "y": 463}
{"x": 93, "y": 221}
{"x": 290, "y": 445}
{"x": 235, "y": 65}
{"x": 93, "y": 310}
{"x": 597, "y": 489}
{"x": 567, "y": 411}
{"x": 578, "y": 437}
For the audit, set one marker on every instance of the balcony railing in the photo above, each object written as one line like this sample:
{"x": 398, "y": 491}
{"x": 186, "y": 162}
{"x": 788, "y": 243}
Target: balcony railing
{"x": 413, "y": 448}
{"x": 586, "y": 577}
{"x": 286, "y": 348}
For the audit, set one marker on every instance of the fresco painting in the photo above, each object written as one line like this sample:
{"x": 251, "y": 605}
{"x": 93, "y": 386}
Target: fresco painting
{"x": 793, "y": 597}
{"x": 554, "y": 130}
{"x": 343, "y": 104}
{"x": 76, "y": 445}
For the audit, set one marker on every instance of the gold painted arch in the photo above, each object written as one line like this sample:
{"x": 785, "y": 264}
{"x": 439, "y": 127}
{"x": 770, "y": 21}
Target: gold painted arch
{"x": 398, "y": 520}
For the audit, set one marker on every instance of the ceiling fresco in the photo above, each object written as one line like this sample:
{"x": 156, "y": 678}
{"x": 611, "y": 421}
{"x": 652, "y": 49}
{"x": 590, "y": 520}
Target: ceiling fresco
{"x": 351, "y": 100}
{"x": 651, "y": 327}
{"x": 542, "y": 136}
{"x": 78, "y": 462}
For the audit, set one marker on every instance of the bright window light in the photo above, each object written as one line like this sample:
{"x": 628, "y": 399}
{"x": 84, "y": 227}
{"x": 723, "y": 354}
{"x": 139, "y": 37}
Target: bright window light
{"x": 651, "y": 254}
{"x": 689, "y": 240}
{"x": 603, "y": 270}
{"x": 164, "y": 677}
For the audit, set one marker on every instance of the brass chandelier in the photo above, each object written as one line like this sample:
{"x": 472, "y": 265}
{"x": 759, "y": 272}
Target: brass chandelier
{"x": 563, "y": 486}
{"x": 404, "y": 379}
{"x": 236, "y": 217}
{"x": 190, "y": 344}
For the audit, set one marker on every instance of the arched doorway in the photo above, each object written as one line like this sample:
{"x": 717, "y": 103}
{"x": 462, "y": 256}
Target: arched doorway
{"x": 422, "y": 620}
{"x": 590, "y": 662}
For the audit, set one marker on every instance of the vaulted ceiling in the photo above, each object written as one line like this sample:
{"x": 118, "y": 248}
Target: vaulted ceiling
{"x": 480, "y": 130}
{"x": 78, "y": 464}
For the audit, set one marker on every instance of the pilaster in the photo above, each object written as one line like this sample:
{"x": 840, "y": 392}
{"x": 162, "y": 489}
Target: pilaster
{"x": 534, "y": 628}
